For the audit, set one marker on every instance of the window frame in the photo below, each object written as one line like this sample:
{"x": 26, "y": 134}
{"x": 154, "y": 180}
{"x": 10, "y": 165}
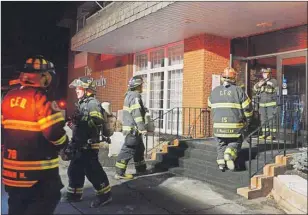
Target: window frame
{"x": 165, "y": 70}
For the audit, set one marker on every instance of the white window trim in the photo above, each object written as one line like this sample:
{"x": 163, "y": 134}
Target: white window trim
{"x": 165, "y": 70}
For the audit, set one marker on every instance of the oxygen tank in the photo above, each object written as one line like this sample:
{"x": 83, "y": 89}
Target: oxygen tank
{"x": 111, "y": 119}
{"x": 107, "y": 107}
{"x": 149, "y": 123}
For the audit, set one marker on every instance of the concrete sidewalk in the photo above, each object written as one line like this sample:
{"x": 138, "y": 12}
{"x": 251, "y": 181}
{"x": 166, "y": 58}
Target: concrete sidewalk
{"x": 162, "y": 193}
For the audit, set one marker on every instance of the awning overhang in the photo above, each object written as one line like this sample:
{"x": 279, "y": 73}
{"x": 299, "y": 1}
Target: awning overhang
{"x": 179, "y": 20}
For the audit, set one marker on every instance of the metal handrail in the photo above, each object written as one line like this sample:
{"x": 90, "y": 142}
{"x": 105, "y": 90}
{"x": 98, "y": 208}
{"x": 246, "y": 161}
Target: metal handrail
{"x": 272, "y": 123}
{"x": 171, "y": 124}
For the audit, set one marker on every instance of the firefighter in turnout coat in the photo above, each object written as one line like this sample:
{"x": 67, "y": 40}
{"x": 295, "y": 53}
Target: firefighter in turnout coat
{"x": 232, "y": 112}
{"x": 84, "y": 147}
{"x": 266, "y": 90}
{"x": 33, "y": 134}
{"x": 133, "y": 128}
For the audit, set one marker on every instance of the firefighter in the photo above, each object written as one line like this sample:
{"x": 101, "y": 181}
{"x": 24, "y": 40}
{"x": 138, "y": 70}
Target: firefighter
{"x": 232, "y": 112}
{"x": 266, "y": 91}
{"x": 133, "y": 129}
{"x": 33, "y": 136}
{"x": 85, "y": 144}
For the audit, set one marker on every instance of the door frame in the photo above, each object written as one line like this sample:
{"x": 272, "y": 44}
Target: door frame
{"x": 279, "y": 56}
{"x": 286, "y": 56}
{"x": 280, "y": 74}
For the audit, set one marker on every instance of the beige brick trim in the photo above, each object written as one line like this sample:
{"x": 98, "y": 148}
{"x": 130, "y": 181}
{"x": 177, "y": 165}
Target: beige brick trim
{"x": 262, "y": 185}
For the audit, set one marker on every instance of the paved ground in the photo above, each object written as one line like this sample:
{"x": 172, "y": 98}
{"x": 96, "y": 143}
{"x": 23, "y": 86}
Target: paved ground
{"x": 162, "y": 193}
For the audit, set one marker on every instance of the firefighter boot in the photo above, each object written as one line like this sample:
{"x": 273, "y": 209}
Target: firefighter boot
{"x": 270, "y": 138}
{"x": 120, "y": 171}
{"x": 229, "y": 161}
{"x": 221, "y": 165}
{"x": 70, "y": 197}
{"x": 101, "y": 200}
{"x": 262, "y": 137}
{"x": 145, "y": 172}
{"x": 142, "y": 169}
{"x": 123, "y": 176}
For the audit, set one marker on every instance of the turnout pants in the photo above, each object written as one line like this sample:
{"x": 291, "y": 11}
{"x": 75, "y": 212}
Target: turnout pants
{"x": 230, "y": 146}
{"x": 133, "y": 147}
{"x": 87, "y": 164}
{"x": 42, "y": 198}
{"x": 268, "y": 120}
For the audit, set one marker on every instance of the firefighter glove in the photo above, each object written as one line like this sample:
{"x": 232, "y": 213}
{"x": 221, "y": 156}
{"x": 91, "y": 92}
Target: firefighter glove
{"x": 69, "y": 152}
{"x": 77, "y": 116}
{"x": 63, "y": 155}
{"x": 261, "y": 83}
{"x": 71, "y": 125}
{"x": 144, "y": 132}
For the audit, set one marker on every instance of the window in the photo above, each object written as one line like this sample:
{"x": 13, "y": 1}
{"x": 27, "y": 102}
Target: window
{"x": 144, "y": 90}
{"x": 175, "y": 80}
{"x": 175, "y": 86}
{"x": 157, "y": 59}
{"x": 141, "y": 62}
{"x": 162, "y": 69}
{"x": 175, "y": 55}
{"x": 157, "y": 96}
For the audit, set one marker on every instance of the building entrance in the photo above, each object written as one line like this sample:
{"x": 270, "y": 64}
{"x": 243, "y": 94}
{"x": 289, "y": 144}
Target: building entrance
{"x": 290, "y": 71}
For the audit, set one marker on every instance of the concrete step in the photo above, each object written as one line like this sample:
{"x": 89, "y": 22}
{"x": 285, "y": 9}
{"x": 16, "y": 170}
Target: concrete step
{"x": 197, "y": 159}
{"x": 219, "y": 182}
{"x": 196, "y": 166}
{"x": 192, "y": 153}
{"x": 167, "y": 159}
{"x": 202, "y": 144}
{"x": 210, "y": 168}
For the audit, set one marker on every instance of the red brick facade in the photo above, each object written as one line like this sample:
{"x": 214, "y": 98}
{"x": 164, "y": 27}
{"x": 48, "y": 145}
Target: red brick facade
{"x": 204, "y": 55}
{"x": 116, "y": 70}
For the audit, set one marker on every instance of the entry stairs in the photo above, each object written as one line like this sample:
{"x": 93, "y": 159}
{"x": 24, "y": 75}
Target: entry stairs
{"x": 196, "y": 158}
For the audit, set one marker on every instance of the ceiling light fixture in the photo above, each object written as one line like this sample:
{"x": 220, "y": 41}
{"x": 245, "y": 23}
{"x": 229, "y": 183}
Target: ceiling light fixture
{"x": 141, "y": 37}
{"x": 188, "y": 21}
{"x": 264, "y": 24}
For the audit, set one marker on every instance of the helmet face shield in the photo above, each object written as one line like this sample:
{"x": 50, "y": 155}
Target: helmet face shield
{"x": 135, "y": 82}
{"x": 77, "y": 83}
{"x": 86, "y": 83}
{"x": 268, "y": 70}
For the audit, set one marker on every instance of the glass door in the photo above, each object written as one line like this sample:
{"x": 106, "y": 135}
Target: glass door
{"x": 242, "y": 78}
{"x": 292, "y": 79}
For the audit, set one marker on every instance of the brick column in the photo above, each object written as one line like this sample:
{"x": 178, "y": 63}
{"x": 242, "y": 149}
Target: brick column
{"x": 204, "y": 55}
{"x": 193, "y": 81}
{"x": 217, "y": 58}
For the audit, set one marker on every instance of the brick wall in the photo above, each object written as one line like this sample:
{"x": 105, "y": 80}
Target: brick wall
{"x": 193, "y": 81}
{"x": 116, "y": 69}
{"x": 193, "y": 73}
{"x": 217, "y": 58}
{"x": 75, "y": 73}
{"x": 204, "y": 55}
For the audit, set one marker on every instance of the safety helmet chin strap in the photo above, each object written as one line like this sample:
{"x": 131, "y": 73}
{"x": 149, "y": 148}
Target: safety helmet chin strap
{"x": 228, "y": 81}
{"x": 86, "y": 95}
